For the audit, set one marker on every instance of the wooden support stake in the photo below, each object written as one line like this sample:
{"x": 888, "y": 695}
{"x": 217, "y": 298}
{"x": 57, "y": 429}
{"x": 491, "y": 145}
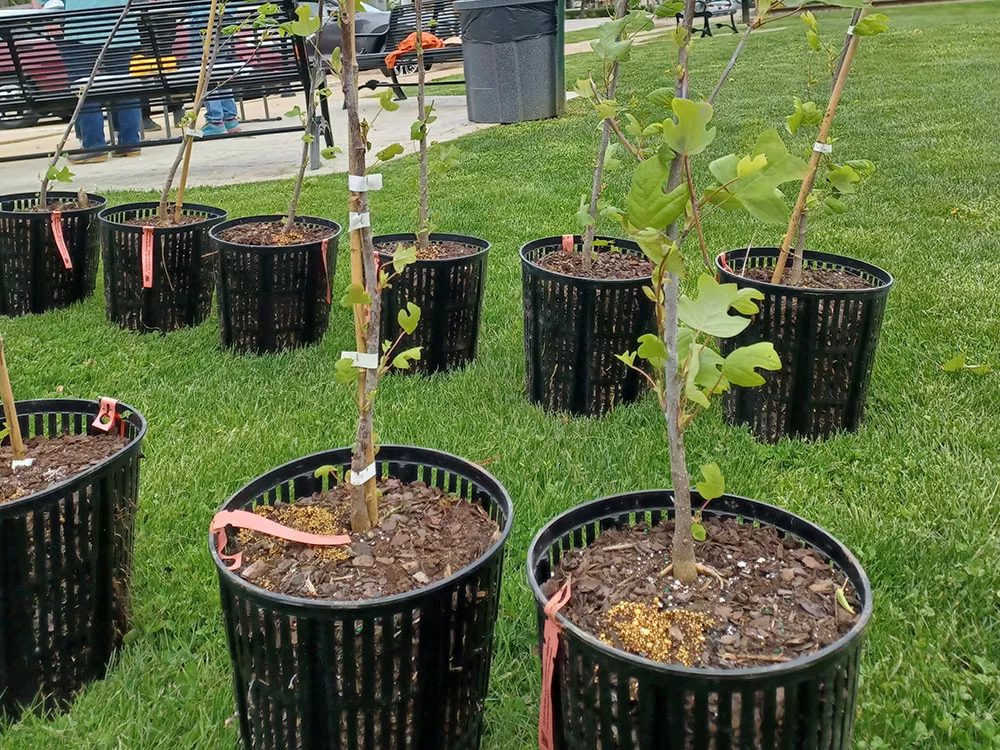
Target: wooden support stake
{"x": 807, "y": 183}
{"x": 9, "y": 410}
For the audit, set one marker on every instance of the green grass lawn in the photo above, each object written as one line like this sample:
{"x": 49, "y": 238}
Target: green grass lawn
{"x": 914, "y": 494}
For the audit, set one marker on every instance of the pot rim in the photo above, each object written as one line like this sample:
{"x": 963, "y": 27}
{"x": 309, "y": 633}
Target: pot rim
{"x": 78, "y": 405}
{"x": 565, "y": 278}
{"x": 845, "y": 261}
{"x": 100, "y": 201}
{"x": 213, "y": 233}
{"x": 299, "y": 603}
{"x": 665, "y": 503}
{"x": 104, "y": 216}
{"x": 466, "y": 239}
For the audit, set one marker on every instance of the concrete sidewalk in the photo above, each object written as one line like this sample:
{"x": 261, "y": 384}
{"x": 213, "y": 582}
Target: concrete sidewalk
{"x": 227, "y": 161}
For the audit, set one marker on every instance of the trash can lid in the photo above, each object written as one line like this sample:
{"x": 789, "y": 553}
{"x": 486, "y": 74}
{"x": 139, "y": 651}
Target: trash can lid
{"x": 461, "y": 5}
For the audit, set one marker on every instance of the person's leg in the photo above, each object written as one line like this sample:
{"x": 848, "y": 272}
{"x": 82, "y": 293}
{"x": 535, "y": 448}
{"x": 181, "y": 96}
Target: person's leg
{"x": 230, "y": 116}
{"x": 90, "y": 125}
{"x": 128, "y": 115}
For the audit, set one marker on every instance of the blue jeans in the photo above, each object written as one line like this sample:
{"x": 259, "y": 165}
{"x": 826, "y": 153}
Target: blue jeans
{"x": 126, "y": 115}
{"x": 217, "y": 110}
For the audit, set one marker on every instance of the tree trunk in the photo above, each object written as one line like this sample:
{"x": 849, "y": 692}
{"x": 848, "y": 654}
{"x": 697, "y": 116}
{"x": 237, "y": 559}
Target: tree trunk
{"x": 595, "y": 188}
{"x": 364, "y": 508}
{"x": 682, "y": 552}
{"x": 798, "y": 259}
{"x": 423, "y": 232}
{"x": 293, "y": 205}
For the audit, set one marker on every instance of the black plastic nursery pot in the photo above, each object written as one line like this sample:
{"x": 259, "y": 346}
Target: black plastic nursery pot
{"x": 66, "y": 564}
{"x": 606, "y": 698}
{"x": 273, "y": 298}
{"x": 33, "y": 273}
{"x": 449, "y": 293}
{"x": 574, "y": 327}
{"x": 826, "y": 339}
{"x": 172, "y": 286}
{"x": 406, "y": 671}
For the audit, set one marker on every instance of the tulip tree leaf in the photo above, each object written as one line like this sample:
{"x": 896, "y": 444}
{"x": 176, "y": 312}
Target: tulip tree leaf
{"x": 409, "y": 318}
{"x": 713, "y": 484}
{"x": 740, "y": 367}
{"x": 709, "y": 311}
{"x": 689, "y": 136}
{"x": 647, "y": 205}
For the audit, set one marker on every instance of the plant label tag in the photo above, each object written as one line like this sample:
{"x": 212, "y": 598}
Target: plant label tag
{"x": 363, "y": 476}
{"x": 359, "y": 221}
{"x": 107, "y": 414}
{"x": 550, "y": 649}
{"x": 244, "y": 519}
{"x": 193, "y": 133}
{"x": 568, "y": 243}
{"x": 22, "y": 464}
{"x": 364, "y": 183}
{"x": 823, "y": 148}
{"x": 147, "y": 257}
{"x": 326, "y": 270}
{"x": 57, "y": 235}
{"x": 362, "y": 360}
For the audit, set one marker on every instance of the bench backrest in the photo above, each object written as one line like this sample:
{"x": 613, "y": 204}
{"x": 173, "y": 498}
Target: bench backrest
{"x": 156, "y": 52}
{"x": 440, "y": 19}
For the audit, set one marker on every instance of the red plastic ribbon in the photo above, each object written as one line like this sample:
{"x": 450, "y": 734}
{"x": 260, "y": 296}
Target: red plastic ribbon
{"x": 550, "y": 648}
{"x": 243, "y": 519}
{"x": 326, "y": 271}
{"x": 724, "y": 262}
{"x": 568, "y": 242}
{"x": 57, "y": 235}
{"x": 107, "y": 414}
{"x": 147, "y": 257}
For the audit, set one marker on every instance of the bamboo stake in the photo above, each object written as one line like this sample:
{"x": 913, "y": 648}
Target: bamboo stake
{"x": 9, "y": 410}
{"x": 807, "y": 183}
{"x": 199, "y": 93}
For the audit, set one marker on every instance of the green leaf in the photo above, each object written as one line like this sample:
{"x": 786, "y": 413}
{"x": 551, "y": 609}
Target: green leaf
{"x": 809, "y": 20}
{"x": 835, "y": 205}
{"x": 959, "y": 364}
{"x": 355, "y": 295}
{"x": 698, "y": 532}
{"x": 745, "y": 301}
{"x": 295, "y": 111}
{"x": 409, "y": 318}
{"x": 336, "y": 63}
{"x": 652, "y": 350}
{"x": 843, "y": 178}
{"x": 386, "y": 102}
{"x": 688, "y": 135}
{"x": 389, "y": 151}
{"x": 709, "y": 312}
{"x": 669, "y": 9}
{"x": 648, "y": 206}
{"x": 402, "y": 360}
{"x": 418, "y": 131}
{"x": 693, "y": 363}
{"x": 710, "y": 378}
{"x": 583, "y": 88}
{"x": 306, "y": 24}
{"x": 308, "y": 138}
{"x": 53, "y": 174}
{"x": 812, "y": 39}
{"x": 403, "y": 257}
{"x": 331, "y": 152}
{"x": 871, "y": 25}
{"x": 842, "y": 601}
{"x": 662, "y": 97}
{"x": 628, "y": 358}
{"x": 846, "y": 3}
{"x": 740, "y": 366}
{"x": 344, "y": 372}
{"x": 806, "y": 113}
{"x": 714, "y": 485}
{"x": 608, "y": 46}
{"x": 327, "y": 470}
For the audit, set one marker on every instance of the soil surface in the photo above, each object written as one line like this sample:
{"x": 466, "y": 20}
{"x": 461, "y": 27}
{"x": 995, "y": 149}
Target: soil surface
{"x": 606, "y": 265}
{"x": 67, "y": 204}
{"x": 156, "y": 221}
{"x": 814, "y": 278}
{"x": 772, "y": 601}
{"x": 436, "y": 250}
{"x": 424, "y": 536}
{"x": 273, "y": 234}
{"x": 56, "y": 459}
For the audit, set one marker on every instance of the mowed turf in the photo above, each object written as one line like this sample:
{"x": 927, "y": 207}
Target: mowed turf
{"x": 914, "y": 494}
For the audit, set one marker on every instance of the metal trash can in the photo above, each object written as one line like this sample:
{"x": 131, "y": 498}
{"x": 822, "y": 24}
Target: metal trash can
{"x": 513, "y": 56}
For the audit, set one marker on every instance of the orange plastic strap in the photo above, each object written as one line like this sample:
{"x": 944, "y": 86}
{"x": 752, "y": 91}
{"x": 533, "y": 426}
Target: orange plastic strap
{"x": 147, "y": 257}
{"x": 243, "y": 519}
{"x": 107, "y": 414}
{"x": 568, "y": 242}
{"x": 57, "y": 235}
{"x": 724, "y": 262}
{"x": 550, "y": 648}
{"x": 326, "y": 270}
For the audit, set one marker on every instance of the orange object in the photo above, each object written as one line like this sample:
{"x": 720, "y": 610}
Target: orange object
{"x": 242, "y": 519}
{"x": 57, "y": 235}
{"x": 550, "y": 649}
{"x": 410, "y": 45}
{"x": 147, "y": 257}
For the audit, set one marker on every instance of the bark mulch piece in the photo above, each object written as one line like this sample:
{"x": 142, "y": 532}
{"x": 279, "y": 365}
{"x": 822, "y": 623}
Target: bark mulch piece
{"x": 435, "y": 251}
{"x": 606, "y": 265}
{"x": 156, "y": 221}
{"x": 56, "y": 459}
{"x": 773, "y": 601}
{"x": 424, "y": 536}
{"x": 814, "y": 278}
{"x": 273, "y": 234}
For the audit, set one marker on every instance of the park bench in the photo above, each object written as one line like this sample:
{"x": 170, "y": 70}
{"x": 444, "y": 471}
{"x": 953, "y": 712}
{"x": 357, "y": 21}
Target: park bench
{"x": 439, "y": 19}
{"x": 155, "y": 58}
{"x": 715, "y": 9}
